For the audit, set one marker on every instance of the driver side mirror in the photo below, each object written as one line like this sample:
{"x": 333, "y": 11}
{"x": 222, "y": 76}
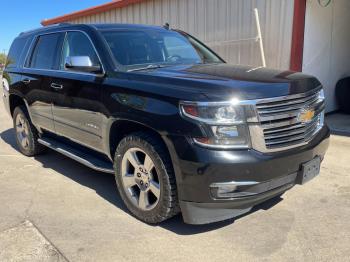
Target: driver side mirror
{"x": 81, "y": 63}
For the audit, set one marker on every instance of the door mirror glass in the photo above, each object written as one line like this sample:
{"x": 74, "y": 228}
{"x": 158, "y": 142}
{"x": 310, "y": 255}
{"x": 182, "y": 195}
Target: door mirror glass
{"x": 82, "y": 64}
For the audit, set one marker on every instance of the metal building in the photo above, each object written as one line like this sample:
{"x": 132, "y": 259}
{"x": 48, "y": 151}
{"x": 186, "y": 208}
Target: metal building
{"x": 229, "y": 27}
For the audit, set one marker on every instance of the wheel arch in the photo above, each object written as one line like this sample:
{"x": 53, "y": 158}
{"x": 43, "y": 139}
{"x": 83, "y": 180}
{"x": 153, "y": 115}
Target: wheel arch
{"x": 15, "y": 101}
{"x": 119, "y": 128}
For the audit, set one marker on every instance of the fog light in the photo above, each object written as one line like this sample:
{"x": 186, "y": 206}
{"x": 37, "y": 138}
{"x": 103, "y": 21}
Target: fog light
{"x": 222, "y": 191}
{"x": 230, "y": 189}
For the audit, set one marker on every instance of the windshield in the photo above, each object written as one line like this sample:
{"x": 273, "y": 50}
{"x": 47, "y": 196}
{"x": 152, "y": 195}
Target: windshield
{"x": 137, "y": 49}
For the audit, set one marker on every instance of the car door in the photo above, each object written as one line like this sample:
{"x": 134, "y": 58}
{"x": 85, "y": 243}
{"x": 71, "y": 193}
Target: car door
{"x": 41, "y": 62}
{"x": 77, "y": 109}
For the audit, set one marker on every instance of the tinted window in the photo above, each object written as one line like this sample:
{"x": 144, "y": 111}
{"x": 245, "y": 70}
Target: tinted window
{"x": 131, "y": 48}
{"x": 179, "y": 47}
{"x": 45, "y": 53}
{"x": 15, "y": 52}
{"x": 78, "y": 44}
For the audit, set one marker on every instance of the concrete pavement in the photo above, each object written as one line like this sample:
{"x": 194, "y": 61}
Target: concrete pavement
{"x": 75, "y": 213}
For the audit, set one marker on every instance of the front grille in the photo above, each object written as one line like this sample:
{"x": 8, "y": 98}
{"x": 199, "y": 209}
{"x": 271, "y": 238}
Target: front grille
{"x": 281, "y": 125}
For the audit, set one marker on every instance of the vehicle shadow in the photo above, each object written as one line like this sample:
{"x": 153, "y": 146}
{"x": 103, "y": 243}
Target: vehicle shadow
{"x": 104, "y": 185}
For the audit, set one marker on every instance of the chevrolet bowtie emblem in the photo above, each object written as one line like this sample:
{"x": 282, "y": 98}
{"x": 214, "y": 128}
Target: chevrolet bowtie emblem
{"x": 306, "y": 115}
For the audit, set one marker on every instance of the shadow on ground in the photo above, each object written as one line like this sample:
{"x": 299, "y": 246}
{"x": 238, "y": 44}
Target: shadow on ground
{"x": 104, "y": 185}
{"x": 338, "y": 123}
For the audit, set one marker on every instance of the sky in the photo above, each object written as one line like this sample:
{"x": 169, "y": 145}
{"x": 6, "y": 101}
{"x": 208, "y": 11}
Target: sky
{"x": 17, "y": 16}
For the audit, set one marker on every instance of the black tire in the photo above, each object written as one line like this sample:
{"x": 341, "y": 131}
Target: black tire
{"x": 33, "y": 148}
{"x": 342, "y": 92}
{"x": 167, "y": 205}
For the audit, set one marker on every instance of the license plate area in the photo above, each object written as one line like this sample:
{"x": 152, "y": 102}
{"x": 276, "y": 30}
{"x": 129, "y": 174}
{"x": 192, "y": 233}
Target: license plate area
{"x": 309, "y": 170}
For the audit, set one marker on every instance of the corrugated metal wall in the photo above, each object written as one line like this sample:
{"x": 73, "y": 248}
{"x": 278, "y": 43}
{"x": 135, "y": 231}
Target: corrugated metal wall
{"x": 219, "y": 23}
{"x": 326, "y": 45}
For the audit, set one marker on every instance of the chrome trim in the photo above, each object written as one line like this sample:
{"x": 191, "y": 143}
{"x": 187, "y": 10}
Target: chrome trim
{"x": 75, "y": 157}
{"x": 279, "y": 98}
{"x": 288, "y": 106}
{"x": 234, "y": 183}
{"x": 319, "y": 106}
{"x": 81, "y": 61}
{"x": 279, "y": 131}
{"x": 56, "y": 86}
{"x": 221, "y": 146}
{"x": 63, "y": 71}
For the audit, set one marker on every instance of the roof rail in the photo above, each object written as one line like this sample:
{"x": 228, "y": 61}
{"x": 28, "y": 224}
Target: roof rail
{"x": 44, "y": 27}
{"x": 65, "y": 23}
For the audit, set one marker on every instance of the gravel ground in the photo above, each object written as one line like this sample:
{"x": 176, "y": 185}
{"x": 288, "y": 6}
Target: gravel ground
{"x": 53, "y": 206}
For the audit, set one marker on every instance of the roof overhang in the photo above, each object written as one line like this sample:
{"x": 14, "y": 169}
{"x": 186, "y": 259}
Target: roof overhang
{"x": 90, "y": 11}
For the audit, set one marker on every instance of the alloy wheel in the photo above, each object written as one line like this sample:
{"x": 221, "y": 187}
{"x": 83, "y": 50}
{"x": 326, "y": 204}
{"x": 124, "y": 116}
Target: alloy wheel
{"x": 22, "y": 131}
{"x": 140, "y": 179}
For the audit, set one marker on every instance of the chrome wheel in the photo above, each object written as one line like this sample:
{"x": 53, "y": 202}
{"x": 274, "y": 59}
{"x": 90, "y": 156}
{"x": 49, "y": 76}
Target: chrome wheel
{"x": 22, "y": 131}
{"x": 140, "y": 179}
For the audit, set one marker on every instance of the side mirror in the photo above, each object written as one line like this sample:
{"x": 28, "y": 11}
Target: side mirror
{"x": 81, "y": 63}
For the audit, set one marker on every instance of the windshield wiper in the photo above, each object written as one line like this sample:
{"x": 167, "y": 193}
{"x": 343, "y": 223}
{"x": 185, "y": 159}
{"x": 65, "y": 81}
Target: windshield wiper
{"x": 146, "y": 67}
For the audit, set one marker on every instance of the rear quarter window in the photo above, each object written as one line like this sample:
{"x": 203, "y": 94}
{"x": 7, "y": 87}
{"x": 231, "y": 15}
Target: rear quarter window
{"x": 16, "y": 50}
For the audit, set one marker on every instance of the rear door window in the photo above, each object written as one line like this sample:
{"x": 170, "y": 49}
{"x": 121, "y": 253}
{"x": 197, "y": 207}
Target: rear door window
{"x": 15, "y": 53}
{"x": 46, "y": 52}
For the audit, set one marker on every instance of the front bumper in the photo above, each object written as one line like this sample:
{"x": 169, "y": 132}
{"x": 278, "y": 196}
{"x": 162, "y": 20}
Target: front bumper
{"x": 197, "y": 168}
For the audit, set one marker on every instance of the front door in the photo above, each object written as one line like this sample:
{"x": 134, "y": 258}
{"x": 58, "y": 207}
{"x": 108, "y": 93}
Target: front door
{"x": 77, "y": 107}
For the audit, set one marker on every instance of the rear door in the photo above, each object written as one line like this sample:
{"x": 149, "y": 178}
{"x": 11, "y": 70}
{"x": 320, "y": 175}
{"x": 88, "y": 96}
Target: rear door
{"x": 77, "y": 110}
{"x": 42, "y": 61}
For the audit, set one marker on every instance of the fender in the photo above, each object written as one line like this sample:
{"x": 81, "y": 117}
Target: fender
{"x": 122, "y": 122}
{"x": 18, "y": 94}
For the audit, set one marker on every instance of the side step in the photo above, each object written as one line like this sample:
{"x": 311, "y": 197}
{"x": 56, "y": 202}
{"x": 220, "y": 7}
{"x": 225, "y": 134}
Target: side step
{"x": 78, "y": 155}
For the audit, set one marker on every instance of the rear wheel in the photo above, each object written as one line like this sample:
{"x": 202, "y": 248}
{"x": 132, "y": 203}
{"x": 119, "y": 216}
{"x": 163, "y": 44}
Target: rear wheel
{"x": 26, "y": 134}
{"x": 145, "y": 178}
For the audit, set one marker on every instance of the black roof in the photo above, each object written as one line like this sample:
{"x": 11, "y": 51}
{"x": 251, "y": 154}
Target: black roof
{"x": 67, "y": 26}
{"x": 125, "y": 26}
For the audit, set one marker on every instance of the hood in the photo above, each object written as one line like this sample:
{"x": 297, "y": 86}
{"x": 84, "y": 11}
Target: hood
{"x": 223, "y": 81}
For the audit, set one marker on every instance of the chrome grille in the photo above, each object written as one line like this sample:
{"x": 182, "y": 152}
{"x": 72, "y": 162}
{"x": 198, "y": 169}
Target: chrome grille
{"x": 280, "y": 124}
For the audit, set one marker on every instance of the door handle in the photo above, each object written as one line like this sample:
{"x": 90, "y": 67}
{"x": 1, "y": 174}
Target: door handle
{"x": 26, "y": 81}
{"x": 56, "y": 86}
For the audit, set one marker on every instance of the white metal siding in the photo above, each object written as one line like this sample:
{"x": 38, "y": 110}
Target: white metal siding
{"x": 326, "y": 45}
{"x": 218, "y": 23}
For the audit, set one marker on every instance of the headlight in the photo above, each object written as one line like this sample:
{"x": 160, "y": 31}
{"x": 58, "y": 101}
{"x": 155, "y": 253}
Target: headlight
{"x": 224, "y": 123}
{"x": 214, "y": 113}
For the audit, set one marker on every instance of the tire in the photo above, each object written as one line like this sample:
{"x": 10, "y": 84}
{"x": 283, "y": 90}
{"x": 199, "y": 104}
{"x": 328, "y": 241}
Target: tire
{"x": 342, "y": 92}
{"x": 153, "y": 210}
{"x": 26, "y": 134}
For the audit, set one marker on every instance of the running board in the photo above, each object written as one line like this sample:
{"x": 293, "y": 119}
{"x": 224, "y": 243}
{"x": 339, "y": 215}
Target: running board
{"x": 78, "y": 155}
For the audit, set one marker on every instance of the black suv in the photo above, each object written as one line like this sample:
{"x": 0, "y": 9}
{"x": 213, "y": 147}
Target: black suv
{"x": 179, "y": 128}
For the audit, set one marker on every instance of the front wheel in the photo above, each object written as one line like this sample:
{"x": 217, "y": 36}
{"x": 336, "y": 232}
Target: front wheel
{"x": 145, "y": 178}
